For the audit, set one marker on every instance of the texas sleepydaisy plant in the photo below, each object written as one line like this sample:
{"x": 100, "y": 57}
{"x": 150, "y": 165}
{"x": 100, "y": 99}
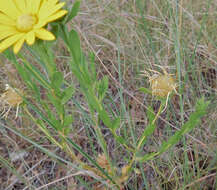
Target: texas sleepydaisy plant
{"x": 22, "y": 20}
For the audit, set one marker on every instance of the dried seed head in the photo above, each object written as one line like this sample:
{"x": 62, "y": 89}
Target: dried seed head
{"x": 162, "y": 85}
{"x": 10, "y": 98}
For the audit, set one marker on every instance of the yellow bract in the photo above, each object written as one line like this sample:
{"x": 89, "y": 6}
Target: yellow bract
{"x": 24, "y": 21}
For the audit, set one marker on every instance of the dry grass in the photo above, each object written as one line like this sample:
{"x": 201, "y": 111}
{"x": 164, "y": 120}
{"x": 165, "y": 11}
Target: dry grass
{"x": 125, "y": 43}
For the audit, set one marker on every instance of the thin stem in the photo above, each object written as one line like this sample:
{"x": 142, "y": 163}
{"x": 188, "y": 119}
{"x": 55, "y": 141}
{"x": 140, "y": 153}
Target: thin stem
{"x": 46, "y": 132}
{"x": 142, "y": 139}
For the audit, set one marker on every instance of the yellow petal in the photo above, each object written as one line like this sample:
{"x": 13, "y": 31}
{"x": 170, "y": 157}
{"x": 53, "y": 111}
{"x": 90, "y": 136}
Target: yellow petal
{"x": 18, "y": 45}
{"x": 5, "y": 28}
{"x": 6, "y": 34}
{"x": 55, "y": 16}
{"x": 21, "y": 5}
{"x": 35, "y": 6}
{"x": 29, "y": 4}
{"x": 40, "y": 24}
{"x": 44, "y": 34}
{"x": 6, "y": 20}
{"x": 6, "y": 31}
{"x": 46, "y": 11}
{"x": 52, "y": 1}
{"x": 32, "y": 6}
{"x": 30, "y": 37}
{"x": 10, "y": 41}
{"x": 9, "y": 8}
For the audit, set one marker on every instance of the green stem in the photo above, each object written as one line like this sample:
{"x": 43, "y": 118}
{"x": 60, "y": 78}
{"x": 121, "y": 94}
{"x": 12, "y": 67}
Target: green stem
{"x": 142, "y": 139}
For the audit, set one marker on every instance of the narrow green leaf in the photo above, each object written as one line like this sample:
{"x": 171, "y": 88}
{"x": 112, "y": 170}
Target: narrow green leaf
{"x": 102, "y": 87}
{"x": 148, "y": 131}
{"x": 74, "y": 46}
{"x": 145, "y": 90}
{"x": 92, "y": 66}
{"x": 67, "y": 94}
{"x": 92, "y": 101}
{"x": 194, "y": 120}
{"x": 57, "y": 103}
{"x": 105, "y": 118}
{"x": 147, "y": 157}
{"x": 120, "y": 139}
{"x": 44, "y": 129}
{"x": 115, "y": 124}
{"x": 46, "y": 151}
{"x": 73, "y": 12}
{"x": 37, "y": 74}
{"x": 150, "y": 114}
{"x": 68, "y": 120}
{"x": 57, "y": 79}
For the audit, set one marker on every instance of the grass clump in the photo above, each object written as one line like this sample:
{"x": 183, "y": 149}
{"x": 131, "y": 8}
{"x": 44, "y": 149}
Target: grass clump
{"x": 90, "y": 119}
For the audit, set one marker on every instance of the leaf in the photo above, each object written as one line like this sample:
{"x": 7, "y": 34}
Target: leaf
{"x": 74, "y": 46}
{"x": 67, "y": 94}
{"x": 150, "y": 114}
{"x": 147, "y": 157}
{"x": 36, "y": 90}
{"x": 73, "y": 12}
{"x": 115, "y": 124}
{"x": 57, "y": 79}
{"x": 92, "y": 66}
{"x": 145, "y": 90}
{"x": 92, "y": 101}
{"x": 36, "y": 74}
{"x": 25, "y": 76}
{"x": 194, "y": 120}
{"x": 105, "y": 118}
{"x": 102, "y": 87}
{"x": 57, "y": 103}
{"x": 149, "y": 128}
{"x": 68, "y": 120}
{"x": 120, "y": 139}
{"x": 46, "y": 151}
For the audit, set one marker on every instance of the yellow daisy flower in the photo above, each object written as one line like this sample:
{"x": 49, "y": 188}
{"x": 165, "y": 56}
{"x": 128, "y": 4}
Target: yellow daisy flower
{"x": 24, "y": 20}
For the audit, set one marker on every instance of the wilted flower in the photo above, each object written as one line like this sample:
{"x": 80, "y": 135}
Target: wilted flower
{"x": 24, "y": 20}
{"x": 10, "y": 98}
{"x": 162, "y": 84}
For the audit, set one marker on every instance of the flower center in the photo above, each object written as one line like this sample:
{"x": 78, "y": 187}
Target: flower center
{"x": 25, "y": 22}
